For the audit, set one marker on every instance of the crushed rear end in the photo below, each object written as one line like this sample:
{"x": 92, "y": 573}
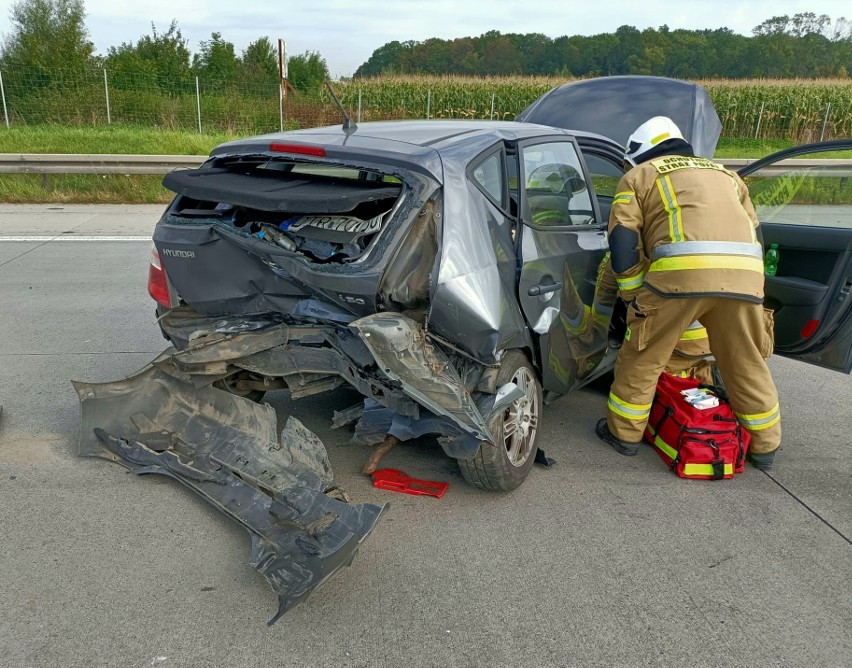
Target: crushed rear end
{"x": 277, "y": 267}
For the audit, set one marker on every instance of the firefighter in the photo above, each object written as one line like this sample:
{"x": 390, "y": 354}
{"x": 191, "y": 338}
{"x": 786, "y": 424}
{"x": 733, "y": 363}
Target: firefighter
{"x": 684, "y": 244}
{"x": 691, "y": 357}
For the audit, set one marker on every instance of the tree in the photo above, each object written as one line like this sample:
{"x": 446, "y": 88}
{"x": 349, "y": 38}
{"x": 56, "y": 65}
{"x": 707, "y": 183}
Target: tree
{"x": 216, "y": 61}
{"x": 499, "y": 55}
{"x": 307, "y": 72}
{"x": 48, "y": 35}
{"x": 804, "y": 45}
{"x": 159, "y": 57}
{"x": 777, "y": 25}
{"x": 260, "y": 60}
{"x": 385, "y": 60}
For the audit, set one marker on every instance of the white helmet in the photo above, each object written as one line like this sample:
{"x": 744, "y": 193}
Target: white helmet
{"x": 648, "y": 135}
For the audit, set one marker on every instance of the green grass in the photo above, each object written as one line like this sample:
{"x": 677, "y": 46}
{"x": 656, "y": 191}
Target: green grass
{"x": 759, "y": 148}
{"x": 83, "y": 189}
{"x": 107, "y": 139}
{"x": 97, "y": 189}
{"x": 130, "y": 139}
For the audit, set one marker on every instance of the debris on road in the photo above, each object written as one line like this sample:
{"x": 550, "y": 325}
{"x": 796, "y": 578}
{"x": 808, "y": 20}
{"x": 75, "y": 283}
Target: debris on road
{"x": 226, "y": 449}
{"x": 399, "y": 481}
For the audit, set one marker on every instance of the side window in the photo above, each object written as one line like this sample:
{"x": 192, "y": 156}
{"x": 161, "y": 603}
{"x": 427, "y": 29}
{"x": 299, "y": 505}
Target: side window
{"x": 489, "y": 175}
{"x": 555, "y": 194}
{"x": 817, "y": 195}
{"x": 605, "y": 177}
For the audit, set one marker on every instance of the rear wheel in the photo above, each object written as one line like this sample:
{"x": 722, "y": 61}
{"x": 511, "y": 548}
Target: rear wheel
{"x": 504, "y": 466}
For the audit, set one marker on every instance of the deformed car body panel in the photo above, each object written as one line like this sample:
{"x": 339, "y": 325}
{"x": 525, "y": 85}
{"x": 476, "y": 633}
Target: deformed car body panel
{"x": 404, "y": 354}
{"x": 474, "y": 301}
{"x": 225, "y": 449}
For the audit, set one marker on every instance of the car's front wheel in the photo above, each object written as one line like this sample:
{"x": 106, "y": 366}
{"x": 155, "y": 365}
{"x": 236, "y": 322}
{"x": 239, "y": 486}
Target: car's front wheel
{"x": 504, "y": 466}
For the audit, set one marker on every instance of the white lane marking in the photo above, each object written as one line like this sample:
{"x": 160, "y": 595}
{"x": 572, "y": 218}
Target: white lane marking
{"x": 67, "y": 237}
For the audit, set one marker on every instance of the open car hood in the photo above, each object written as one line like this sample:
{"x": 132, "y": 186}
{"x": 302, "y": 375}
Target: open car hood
{"x": 616, "y": 106}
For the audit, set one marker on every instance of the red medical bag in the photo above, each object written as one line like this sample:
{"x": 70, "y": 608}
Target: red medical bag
{"x": 707, "y": 444}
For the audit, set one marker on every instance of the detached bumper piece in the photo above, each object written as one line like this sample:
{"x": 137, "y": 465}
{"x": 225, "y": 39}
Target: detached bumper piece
{"x": 226, "y": 449}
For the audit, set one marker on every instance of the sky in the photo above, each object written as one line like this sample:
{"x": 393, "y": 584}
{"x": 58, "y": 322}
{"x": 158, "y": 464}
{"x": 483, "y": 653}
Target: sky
{"x": 346, "y": 33}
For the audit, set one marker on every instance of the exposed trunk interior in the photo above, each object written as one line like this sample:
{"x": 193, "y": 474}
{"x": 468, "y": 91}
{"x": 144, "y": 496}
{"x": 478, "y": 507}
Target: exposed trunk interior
{"x": 325, "y": 213}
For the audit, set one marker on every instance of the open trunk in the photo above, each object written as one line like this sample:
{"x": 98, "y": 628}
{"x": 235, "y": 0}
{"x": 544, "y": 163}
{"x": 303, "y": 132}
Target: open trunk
{"x": 250, "y": 234}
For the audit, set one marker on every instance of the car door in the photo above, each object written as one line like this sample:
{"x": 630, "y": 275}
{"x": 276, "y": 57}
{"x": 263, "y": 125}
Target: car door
{"x": 805, "y": 207}
{"x": 562, "y": 242}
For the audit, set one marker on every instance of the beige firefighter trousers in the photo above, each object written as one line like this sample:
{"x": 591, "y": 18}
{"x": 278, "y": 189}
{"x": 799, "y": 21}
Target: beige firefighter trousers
{"x": 736, "y": 331}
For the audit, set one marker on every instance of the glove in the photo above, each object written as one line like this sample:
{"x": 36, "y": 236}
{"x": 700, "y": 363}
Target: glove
{"x": 618, "y": 324}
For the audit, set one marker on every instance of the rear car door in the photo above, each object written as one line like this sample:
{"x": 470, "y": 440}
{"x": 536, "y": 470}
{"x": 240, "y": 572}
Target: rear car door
{"x": 805, "y": 207}
{"x": 562, "y": 242}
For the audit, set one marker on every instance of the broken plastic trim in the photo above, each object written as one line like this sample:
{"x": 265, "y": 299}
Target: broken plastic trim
{"x": 225, "y": 449}
{"x": 400, "y": 348}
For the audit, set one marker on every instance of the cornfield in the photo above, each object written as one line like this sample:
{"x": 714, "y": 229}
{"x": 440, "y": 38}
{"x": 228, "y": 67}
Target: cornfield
{"x": 797, "y": 110}
{"x": 800, "y": 110}
{"x": 497, "y": 98}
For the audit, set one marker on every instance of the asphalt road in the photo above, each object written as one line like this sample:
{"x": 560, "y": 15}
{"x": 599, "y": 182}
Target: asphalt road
{"x": 602, "y": 560}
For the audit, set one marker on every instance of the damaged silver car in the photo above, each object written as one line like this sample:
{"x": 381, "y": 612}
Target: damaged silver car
{"x": 447, "y": 270}
{"x": 431, "y": 265}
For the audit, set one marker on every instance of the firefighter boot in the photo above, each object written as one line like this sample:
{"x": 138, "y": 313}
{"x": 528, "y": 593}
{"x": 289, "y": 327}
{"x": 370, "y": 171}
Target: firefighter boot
{"x": 621, "y": 447}
{"x": 762, "y": 461}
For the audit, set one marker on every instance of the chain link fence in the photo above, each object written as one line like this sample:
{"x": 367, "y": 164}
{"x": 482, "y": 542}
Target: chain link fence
{"x": 794, "y": 110}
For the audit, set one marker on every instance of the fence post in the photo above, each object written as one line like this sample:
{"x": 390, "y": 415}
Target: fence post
{"x": 428, "y": 103}
{"x": 825, "y": 121}
{"x": 3, "y": 95}
{"x": 106, "y": 92}
{"x": 359, "y": 106}
{"x": 492, "y": 106}
{"x": 759, "y": 117}
{"x": 198, "y": 103}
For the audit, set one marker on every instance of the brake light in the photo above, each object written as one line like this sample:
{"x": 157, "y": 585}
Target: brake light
{"x": 299, "y": 149}
{"x": 158, "y": 284}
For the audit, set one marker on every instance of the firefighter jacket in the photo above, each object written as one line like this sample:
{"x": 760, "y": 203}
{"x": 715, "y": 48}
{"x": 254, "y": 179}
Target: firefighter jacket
{"x": 685, "y": 226}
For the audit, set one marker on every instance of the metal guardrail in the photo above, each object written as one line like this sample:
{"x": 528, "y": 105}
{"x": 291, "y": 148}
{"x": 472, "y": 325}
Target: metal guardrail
{"x": 107, "y": 163}
{"x": 94, "y": 163}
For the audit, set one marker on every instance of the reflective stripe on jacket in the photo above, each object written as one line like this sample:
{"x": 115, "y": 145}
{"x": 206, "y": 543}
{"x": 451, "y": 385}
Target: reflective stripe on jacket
{"x": 696, "y": 227}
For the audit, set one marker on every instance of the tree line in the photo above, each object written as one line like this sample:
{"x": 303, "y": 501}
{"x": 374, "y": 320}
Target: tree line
{"x": 50, "y": 37}
{"x": 804, "y": 45}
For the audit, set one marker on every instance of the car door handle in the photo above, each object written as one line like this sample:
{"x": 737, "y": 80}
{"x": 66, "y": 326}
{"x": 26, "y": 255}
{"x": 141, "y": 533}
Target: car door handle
{"x": 543, "y": 289}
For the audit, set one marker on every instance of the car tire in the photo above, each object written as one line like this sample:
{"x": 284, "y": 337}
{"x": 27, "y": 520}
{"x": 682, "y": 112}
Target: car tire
{"x": 504, "y": 466}
{"x": 229, "y": 384}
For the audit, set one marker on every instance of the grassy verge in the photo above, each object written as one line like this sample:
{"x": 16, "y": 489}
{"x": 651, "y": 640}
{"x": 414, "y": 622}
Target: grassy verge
{"x": 107, "y": 139}
{"x": 83, "y": 189}
{"x": 117, "y": 189}
{"x": 97, "y": 189}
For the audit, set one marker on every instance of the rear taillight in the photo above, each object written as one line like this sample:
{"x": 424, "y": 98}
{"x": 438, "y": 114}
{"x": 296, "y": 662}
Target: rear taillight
{"x": 158, "y": 284}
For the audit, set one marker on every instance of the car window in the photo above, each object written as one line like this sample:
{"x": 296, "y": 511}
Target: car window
{"x": 333, "y": 171}
{"x": 605, "y": 175}
{"x": 555, "y": 192}
{"x": 802, "y": 195}
{"x": 489, "y": 174}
